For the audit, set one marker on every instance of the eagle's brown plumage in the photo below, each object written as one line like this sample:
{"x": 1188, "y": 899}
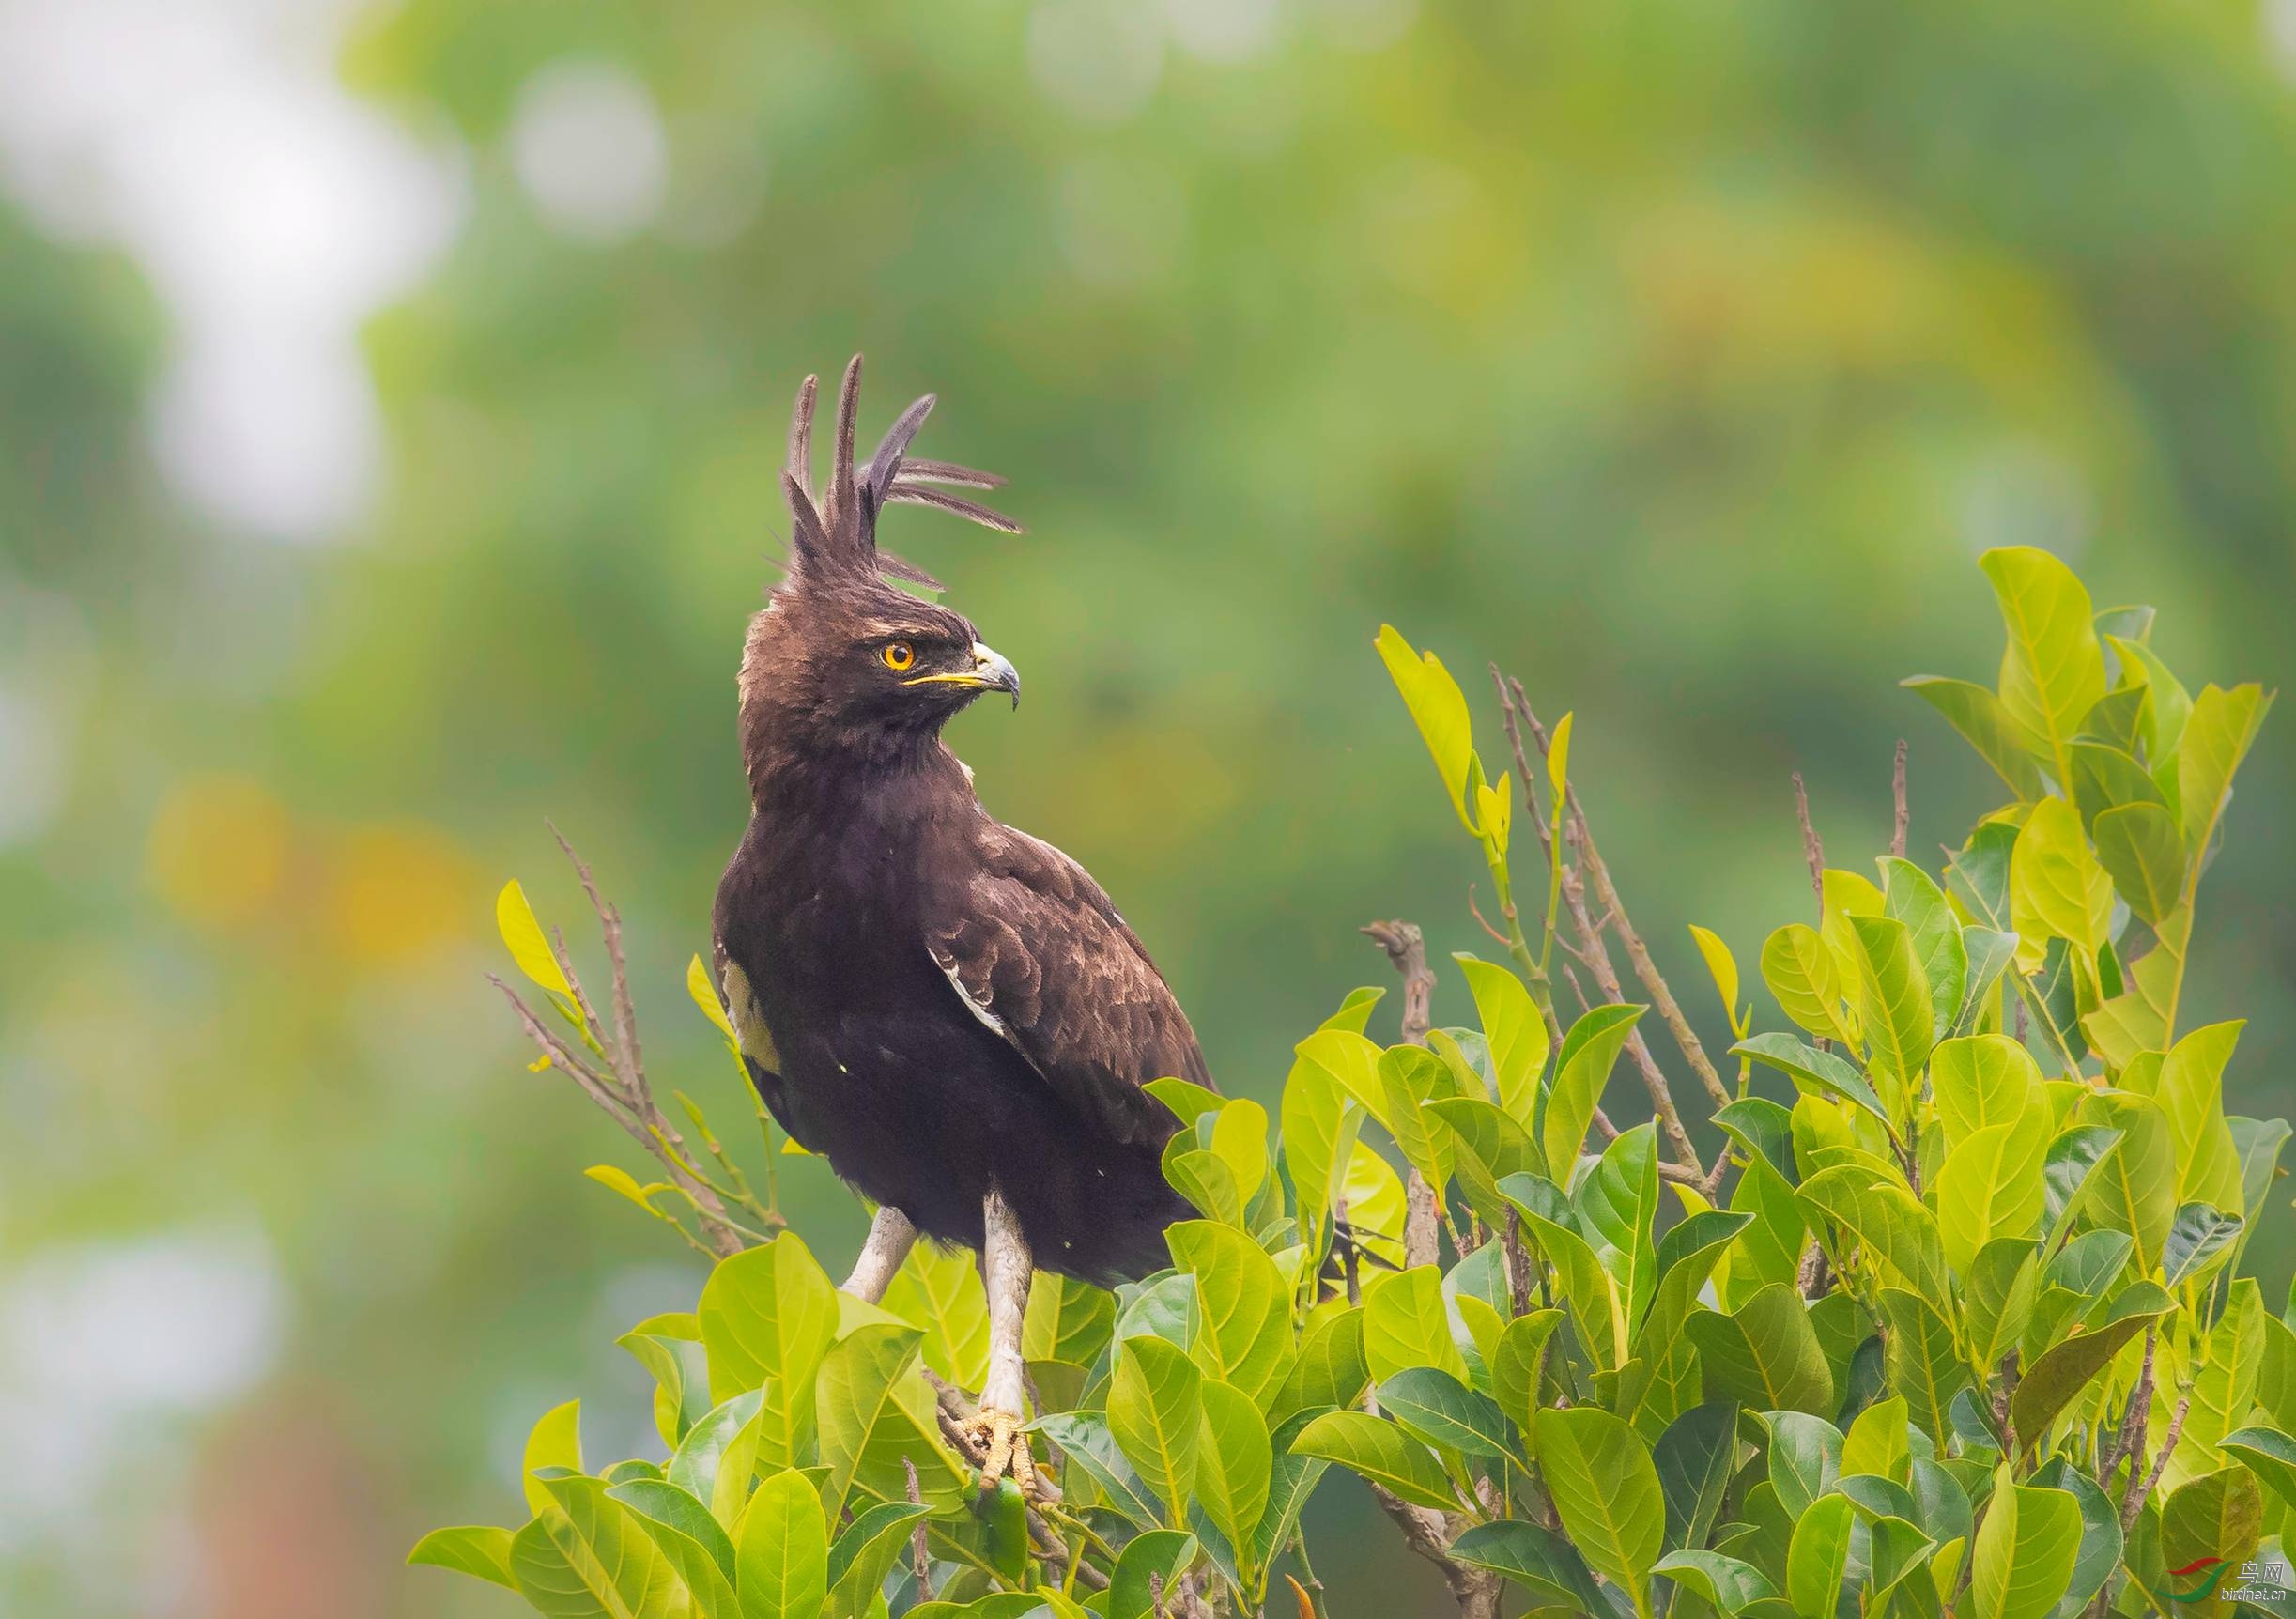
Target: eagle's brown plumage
{"x": 940, "y": 1005}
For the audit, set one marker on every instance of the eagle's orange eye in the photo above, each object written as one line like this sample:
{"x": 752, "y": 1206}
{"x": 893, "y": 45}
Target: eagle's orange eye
{"x": 899, "y": 655}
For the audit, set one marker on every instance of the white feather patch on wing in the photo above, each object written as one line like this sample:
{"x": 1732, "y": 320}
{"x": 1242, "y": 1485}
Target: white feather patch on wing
{"x": 979, "y": 1008}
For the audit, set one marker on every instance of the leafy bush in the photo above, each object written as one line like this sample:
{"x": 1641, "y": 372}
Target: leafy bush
{"x": 1951, "y": 1323}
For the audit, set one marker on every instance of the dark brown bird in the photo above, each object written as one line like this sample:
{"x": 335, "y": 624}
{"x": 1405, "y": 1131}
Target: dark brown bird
{"x": 949, "y": 1011}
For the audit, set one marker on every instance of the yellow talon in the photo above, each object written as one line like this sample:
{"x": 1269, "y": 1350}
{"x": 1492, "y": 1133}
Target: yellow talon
{"x": 1005, "y": 1449}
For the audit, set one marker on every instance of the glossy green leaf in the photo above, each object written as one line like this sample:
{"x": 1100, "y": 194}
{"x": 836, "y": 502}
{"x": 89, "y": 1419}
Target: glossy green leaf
{"x": 1764, "y": 1354}
{"x": 1406, "y": 1324}
{"x": 2101, "y": 1540}
{"x": 1446, "y": 1413}
{"x": 1606, "y": 1490}
{"x": 781, "y": 1551}
{"x": 1911, "y": 897}
{"x": 1234, "y": 1463}
{"x": 1245, "y": 1303}
{"x": 1818, "y": 1556}
{"x": 1822, "y": 1069}
{"x": 482, "y": 1550}
{"x": 585, "y": 1557}
{"x": 1801, "y": 971}
{"x": 2050, "y": 1383}
{"x": 1894, "y": 1005}
{"x": 1439, "y": 708}
{"x": 1535, "y": 1558}
{"x": 854, "y": 1394}
{"x": 1981, "y": 1081}
{"x": 1985, "y": 725}
{"x": 2216, "y": 738}
{"x": 1085, "y": 1438}
{"x": 1164, "y": 1553}
{"x": 1920, "y": 1361}
{"x": 1991, "y": 1187}
{"x": 1380, "y": 1452}
{"x": 554, "y": 1440}
{"x": 1589, "y": 1051}
{"x": 770, "y": 1313}
{"x": 2053, "y": 668}
{"x": 1694, "y": 1458}
{"x": 1155, "y": 1413}
{"x": 694, "y": 1543}
{"x": 1512, "y": 1032}
{"x": 2142, "y": 849}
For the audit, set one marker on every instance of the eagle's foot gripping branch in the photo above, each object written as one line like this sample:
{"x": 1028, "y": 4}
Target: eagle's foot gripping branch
{"x": 1004, "y": 1449}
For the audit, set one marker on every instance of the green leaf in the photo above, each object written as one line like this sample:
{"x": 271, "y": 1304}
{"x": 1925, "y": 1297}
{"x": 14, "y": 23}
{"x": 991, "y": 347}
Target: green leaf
{"x": 1799, "y": 968}
{"x": 2218, "y": 1515}
{"x": 1886, "y": 1219}
{"x": 867, "y": 1551}
{"x": 1822, "y": 1070}
{"x": 939, "y": 1290}
{"x": 1723, "y": 967}
{"x": 2191, "y": 1096}
{"x": 1204, "y": 1178}
{"x": 1164, "y": 1553}
{"x": 2134, "y": 1188}
{"x": 2101, "y": 1540}
{"x": 1380, "y": 1452}
{"x": 2053, "y": 668}
{"x": 717, "y": 1457}
{"x": 1877, "y": 1443}
{"x": 1588, "y": 1051}
{"x": 1920, "y": 1361}
{"x": 1728, "y": 1583}
{"x": 2026, "y": 1546}
{"x": 1234, "y": 1464}
{"x": 479, "y": 1549}
{"x": 1991, "y": 1186}
{"x": 2073, "y": 1157}
{"x": 1439, "y": 1408}
{"x": 1084, "y": 1438}
{"x": 1805, "y": 1459}
{"x": 1694, "y": 1458}
{"x": 2266, "y": 1452}
{"x": 2196, "y": 1236}
{"x": 1515, "y": 1363}
{"x": 1985, "y": 725}
{"x": 1318, "y": 1130}
{"x": 1764, "y": 1354}
{"x": 2222, "y": 1383}
{"x": 555, "y": 1441}
{"x": 2061, "y": 1372}
{"x": 2142, "y": 849}
{"x": 1245, "y": 1307}
{"x": 854, "y": 1393}
{"x": 1406, "y": 1324}
{"x": 2055, "y": 888}
{"x": 1997, "y": 1293}
{"x": 1542, "y": 1562}
{"x": 1239, "y": 1140}
{"x": 529, "y": 945}
{"x": 1688, "y": 1257}
{"x": 1894, "y": 1004}
{"x": 1913, "y": 899}
{"x": 1331, "y": 1369}
{"x": 1155, "y": 1412}
{"x": 1068, "y": 1321}
{"x": 1606, "y": 1490}
{"x": 1512, "y": 1032}
{"x": 1819, "y": 1553}
{"x": 1439, "y": 708}
{"x": 692, "y": 1542}
{"x": 781, "y": 1551}
{"x": 770, "y": 1312}
{"x": 584, "y": 1557}
{"x": 680, "y": 1368}
{"x": 1990, "y": 953}
{"x": 1290, "y": 1481}
{"x": 1981, "y": 1081}
{"x": 1487, "y": 1145}
{"x": 1587, "y": 1288}
{"x": 2216, "y": 738}
{"x": 1617, "y": 1202}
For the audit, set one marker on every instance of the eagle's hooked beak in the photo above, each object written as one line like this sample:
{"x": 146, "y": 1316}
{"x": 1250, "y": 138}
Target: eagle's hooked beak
{"x": 991, "y": 671}
{"x": 996, "y": 672}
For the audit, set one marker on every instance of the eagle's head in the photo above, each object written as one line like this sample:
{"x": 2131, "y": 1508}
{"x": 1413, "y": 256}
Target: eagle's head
{"x": 843, "y": 659}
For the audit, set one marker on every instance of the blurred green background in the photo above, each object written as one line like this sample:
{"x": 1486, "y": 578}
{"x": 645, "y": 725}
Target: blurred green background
{"x": 390, "y": 402}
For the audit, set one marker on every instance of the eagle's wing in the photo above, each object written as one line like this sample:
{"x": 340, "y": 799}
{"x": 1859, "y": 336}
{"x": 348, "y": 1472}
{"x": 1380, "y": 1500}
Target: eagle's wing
{"x": 1038, "y": 953}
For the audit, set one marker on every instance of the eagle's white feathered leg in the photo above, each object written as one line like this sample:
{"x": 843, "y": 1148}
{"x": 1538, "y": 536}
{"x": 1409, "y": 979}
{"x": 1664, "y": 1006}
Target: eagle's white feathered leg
{"x": 890, "y": 1238}
{"x": 1005, "y": 1269}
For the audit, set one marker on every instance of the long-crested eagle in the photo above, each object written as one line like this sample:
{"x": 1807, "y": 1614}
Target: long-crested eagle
{"x": 949, "y": 1011}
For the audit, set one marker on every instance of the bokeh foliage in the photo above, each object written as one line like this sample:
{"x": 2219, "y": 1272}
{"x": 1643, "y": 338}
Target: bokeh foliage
{"x": 1678, "y": 357}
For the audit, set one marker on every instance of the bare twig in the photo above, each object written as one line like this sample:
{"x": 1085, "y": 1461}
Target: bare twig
{"x": 1902, "y": 812}
{"x": 1500, "y": 940}
{"x": 1813, "y": 851}
{"x": 639, "y": 1118}
{"x": 1606, "y": 978}
{"x": 2133, "y": 1503}
{"x": 1407, "y": 948}
{"x": 920, "y": 1560}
